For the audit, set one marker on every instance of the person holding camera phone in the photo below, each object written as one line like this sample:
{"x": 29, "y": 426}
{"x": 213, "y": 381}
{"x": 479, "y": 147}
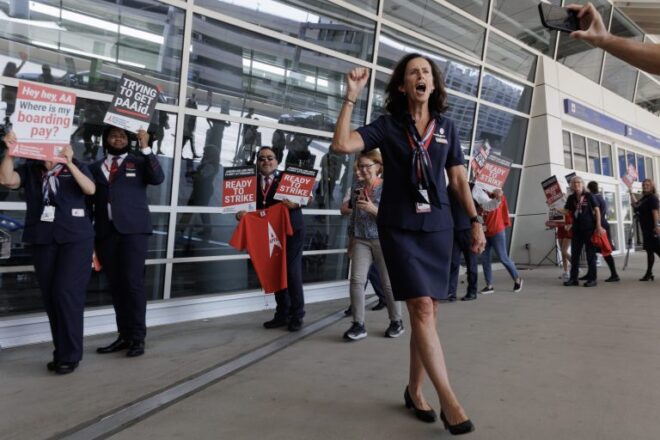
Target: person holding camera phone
{"x": 645, "y": 56}
{"x": 364, "y": 247}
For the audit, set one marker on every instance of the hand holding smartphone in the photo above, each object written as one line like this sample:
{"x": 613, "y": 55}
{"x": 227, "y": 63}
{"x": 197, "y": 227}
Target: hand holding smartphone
{"x": 558, "y": 18}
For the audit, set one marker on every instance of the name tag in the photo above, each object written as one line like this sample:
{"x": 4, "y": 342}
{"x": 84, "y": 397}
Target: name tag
{"x": 78, "y": 212}
{"x": 130, "y": 174}
{"x": 441, "y": 139}
{"x": 48, "y": 214}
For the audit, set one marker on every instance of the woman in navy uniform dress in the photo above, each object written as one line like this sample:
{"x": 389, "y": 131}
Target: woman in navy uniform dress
{"x": 290, "y": 301}
{"x": 123, "y": 224}
{"x": 59, "y": 229}
{"x": 414, "y": 218}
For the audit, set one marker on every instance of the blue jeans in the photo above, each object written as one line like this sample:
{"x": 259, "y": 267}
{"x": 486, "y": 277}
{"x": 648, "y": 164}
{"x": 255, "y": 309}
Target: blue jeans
{"x": 498, "y": 241}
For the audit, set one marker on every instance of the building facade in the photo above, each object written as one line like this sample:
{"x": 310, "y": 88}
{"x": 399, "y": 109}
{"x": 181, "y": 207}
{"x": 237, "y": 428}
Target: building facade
{"x": 237, "y": 74}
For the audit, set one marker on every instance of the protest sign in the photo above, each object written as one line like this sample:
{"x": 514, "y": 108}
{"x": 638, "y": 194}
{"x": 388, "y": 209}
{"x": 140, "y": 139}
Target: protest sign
{"x": 133, "y": 105}
{"x": 42, "y": 122}
{"x": 631, "y": 175}
{"x": 296, "y": 185}
{"x": 494, "y": 173}
{"x": 479, "y": 159}
{"x": 239, "y": 189}
{"x": 570, "y": 176}
{"x": 553, "y": 194}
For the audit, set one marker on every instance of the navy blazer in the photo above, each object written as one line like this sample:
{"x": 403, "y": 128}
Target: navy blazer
{"x": 128, "y": 192}
{"x": 72, "y": 215}
{"x": 397, "y": 206}
{"x": 295, "y": 215}
{"x": 461, "y": 220}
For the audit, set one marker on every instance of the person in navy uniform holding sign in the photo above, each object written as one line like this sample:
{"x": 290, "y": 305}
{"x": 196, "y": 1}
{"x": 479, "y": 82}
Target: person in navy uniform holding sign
{"x": 290, "y": 301}
{"x": 59, "y": 229}
{"x": 123, "y": 224}
{"x": 414, "y": 219}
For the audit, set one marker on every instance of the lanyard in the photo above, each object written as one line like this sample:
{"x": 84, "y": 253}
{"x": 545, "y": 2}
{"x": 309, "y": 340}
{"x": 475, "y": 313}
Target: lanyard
{"x": 266, "y": 188}
{"x": 578, "y": 209}
{"x": 49, "y": 186}
{"x": 421, "y": 161}
{"x": 369, "y": 190}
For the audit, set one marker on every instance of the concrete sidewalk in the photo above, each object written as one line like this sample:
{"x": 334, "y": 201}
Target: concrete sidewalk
{"x": 551, "y": 362}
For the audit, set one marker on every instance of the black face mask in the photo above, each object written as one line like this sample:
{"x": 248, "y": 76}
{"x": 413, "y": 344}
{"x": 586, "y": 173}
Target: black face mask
{"x": 116, "y": 151}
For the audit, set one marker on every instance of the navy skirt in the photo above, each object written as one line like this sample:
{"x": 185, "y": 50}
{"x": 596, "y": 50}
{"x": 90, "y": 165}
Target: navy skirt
{"x": 417, "y": 261}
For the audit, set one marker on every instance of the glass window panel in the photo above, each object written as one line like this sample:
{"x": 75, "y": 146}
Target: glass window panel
{"x": 622, "y": 163}
{"x": 619, "y": 76}
{"x": 98, "y": 293}
{"x": 20, "y": 253}
{"x": 506, "y": 92}
{"x": 504, "y": 131}
{"x": 88, "y": 45}
{"x": 610, "y": 215}
{"x": 478, "y": 8}
{"x": 641, "y": 168}
{"x": 218, "y": 277}
{"x": 594, "y": 156}
{"x": 520, "y": 19}
{"x": 459, "y": 75}
{"x": 626, "y": 206}
{"x": 19, "y": 293}
{"x": 510, "y": 57}
{"x": 434, "y": 20}
{"x": 265, "y": 78}
{"x": 378, "y": 101}
{"x": 511, "y": 187}
{"x": 568, "y": 158}
{"x": 649, "y": 169}
{"x": 461, "y": 112}
{"x": 648, "y": 94}
{"x": 606, "y": 158}
{"x": 157, "y": 245}
{"x": 630, "y": 158}
{"x": 319, "y": 22}
{"x": 580, "y": 56}
{"x": 579, "y": 153}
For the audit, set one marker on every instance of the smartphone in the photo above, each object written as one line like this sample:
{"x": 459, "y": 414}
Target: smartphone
{"x": 558, "y": 18}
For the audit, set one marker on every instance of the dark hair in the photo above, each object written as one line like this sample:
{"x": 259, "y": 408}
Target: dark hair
{"x": 265, "y": 147}
{"x": 106, "y": 133}
{"x": 593, "y": 187}
{"x": 397, "y": 103}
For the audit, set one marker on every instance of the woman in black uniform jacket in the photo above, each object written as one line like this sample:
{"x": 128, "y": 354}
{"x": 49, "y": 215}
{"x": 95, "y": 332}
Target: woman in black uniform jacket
{"x": 58, "y": 226}
{"x": 123, "y": 224}
{"x": 414, "y": 218}
{"x": 647, "y": 210}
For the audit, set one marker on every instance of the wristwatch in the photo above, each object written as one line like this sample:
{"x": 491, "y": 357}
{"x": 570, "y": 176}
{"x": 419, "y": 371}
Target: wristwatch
{"x": 477, "y": 219}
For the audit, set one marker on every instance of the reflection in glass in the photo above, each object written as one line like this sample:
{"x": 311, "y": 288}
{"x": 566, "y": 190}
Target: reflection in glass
{"x": 623, "y": 167}
{"x": 610, "y": 215}
{"x": 648, "y": 94}
{"x": 511, "y": 188}
{"x": 88, "y": 45}
{"x": 13, "y": 222}
{"x": 626, "y": 206}
{"x": 458, "y": 75}
{"x": 579, "y": 153}
{"x": 509, "y": 56}
{"x": 319, "y": 22}
{"x": 506, "y": 92}
{"x": 218, "y": 277}
{"x": 461, "y": 112}
{"x": 606, "y": 157}
{"x": 594, "y": 156}
{"x": 520, "y": 19}
{"x": 504, "y": 131}
{"x": 649, "y": 169}
{"x": 568, "y": 158}
{"x": 435, "y": 21}
{"x": 478, "y": 8}
{"x": 98, "y": 291}
{"x": 577, "y": 54}
{"x": 276, "y": 79}
{"x": 157, "y": 245}
{"x": 641, "y": 168}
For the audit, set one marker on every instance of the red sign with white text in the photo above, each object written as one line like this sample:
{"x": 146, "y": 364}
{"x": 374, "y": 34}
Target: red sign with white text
{"x": 239, "y": 189}
{"x": 494, "y": 173}
{"x": 296, "y": 185}
{"x": 42, "y": 122}
{"x": 553, "y": 193}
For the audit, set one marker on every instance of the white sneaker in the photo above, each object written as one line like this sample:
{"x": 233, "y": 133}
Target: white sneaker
{"x": 566, "y": 276}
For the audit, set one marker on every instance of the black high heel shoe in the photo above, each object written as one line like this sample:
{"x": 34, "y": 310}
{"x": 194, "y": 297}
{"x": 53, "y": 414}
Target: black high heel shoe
{"x": 458, "y": 429}
{"x": 425, "y": 415}
{"x": 647, "y": 277}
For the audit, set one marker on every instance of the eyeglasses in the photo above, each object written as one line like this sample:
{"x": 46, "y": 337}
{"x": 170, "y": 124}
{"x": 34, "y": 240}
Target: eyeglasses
{"x": 265, "y": 158}
{"x": 365, "y": 167}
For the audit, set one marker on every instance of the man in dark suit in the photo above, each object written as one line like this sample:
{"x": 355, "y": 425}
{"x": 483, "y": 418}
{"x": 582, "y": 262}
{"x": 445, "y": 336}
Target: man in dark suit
{"x": 290, "y": 301}
{"x": 123, "y": 224}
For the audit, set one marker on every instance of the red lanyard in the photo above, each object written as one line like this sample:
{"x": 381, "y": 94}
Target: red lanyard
{"x": 265, "y": 188}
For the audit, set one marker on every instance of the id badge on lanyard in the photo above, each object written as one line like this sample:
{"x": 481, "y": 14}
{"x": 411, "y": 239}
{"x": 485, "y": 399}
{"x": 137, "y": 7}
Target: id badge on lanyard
{"x": 421, "y": 145}
{"x": 423, "y": 208}
{"x": 48, "y": 214}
